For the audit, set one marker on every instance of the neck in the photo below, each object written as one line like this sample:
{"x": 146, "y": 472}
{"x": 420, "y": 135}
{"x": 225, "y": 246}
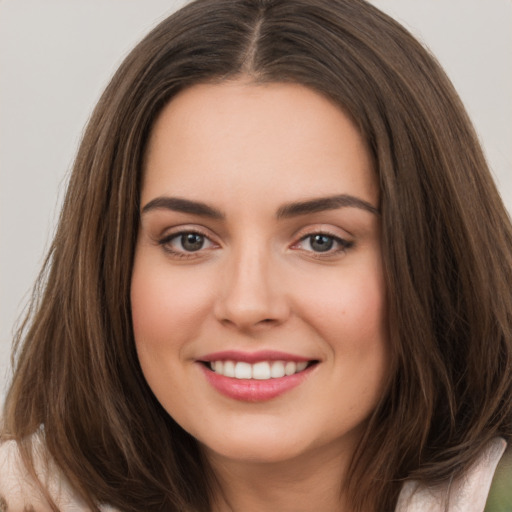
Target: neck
{"x": 307, "y": 483}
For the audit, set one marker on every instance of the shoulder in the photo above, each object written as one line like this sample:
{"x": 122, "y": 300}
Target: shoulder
{"x": 19, "y": 491}
{"x": 466, "y": 494}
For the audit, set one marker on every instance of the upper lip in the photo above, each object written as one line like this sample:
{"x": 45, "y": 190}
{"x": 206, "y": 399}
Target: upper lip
{"x": 253, "y": 357}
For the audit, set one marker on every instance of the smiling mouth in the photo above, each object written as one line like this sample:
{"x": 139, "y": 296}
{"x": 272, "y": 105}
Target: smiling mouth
{"x": 262, "y": 370}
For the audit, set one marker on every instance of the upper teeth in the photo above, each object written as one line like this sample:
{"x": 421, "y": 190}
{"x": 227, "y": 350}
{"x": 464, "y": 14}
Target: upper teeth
{"x": 262, "y": 370}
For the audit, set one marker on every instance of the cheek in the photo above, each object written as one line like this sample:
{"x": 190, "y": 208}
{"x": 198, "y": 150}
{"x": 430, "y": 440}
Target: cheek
{"x": 168, "y": 311}
{"x": 166, "y": 306}
{"x": 348, "y": 308}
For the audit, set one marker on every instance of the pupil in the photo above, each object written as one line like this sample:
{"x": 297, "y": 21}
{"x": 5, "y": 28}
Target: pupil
{"x": 321, "y": 243}
{"x": 192, "y": 241}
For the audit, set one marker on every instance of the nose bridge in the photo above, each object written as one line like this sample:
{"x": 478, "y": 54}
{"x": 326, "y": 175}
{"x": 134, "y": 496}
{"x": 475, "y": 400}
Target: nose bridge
{"x": 250, "y": 295}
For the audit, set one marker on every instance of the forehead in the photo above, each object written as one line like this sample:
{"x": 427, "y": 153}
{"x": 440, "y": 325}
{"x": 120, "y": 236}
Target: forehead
{"x": 249, "y": 138}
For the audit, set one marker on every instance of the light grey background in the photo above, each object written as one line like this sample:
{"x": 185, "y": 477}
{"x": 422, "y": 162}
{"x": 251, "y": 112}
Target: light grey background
{"x": 56, "y": 57}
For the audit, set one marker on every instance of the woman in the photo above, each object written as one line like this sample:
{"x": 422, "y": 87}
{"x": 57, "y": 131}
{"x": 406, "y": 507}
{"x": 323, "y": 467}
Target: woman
{"x": 280, "y": 280}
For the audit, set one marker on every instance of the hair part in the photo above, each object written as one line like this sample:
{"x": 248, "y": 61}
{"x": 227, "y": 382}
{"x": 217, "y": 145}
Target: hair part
{"x": 446, "y": 251}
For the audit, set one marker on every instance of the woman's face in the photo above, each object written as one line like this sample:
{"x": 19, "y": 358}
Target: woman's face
{"x": 257, "y": 293}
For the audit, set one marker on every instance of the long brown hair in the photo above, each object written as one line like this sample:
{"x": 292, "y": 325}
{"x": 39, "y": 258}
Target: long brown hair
{"x": 446, "y": 246}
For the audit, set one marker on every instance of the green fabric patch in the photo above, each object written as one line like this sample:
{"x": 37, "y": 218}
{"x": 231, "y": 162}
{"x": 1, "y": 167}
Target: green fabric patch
{"x": 500, "y": 495}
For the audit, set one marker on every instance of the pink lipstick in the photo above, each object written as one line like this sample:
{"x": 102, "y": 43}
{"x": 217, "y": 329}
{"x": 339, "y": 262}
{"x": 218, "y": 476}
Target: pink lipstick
{"x": 255, "y": 376}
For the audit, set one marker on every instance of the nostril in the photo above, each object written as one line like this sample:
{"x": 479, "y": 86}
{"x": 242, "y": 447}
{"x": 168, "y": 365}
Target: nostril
{"x": 267, "y": 321}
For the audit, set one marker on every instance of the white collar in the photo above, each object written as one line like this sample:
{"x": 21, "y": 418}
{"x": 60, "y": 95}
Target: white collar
{"x": 466, "y": 494}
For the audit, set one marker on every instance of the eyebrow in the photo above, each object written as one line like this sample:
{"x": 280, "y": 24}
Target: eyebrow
{"x": 288, "y": 210}
{"x": 179, "y": 204}
{"x": 324, "y": 203}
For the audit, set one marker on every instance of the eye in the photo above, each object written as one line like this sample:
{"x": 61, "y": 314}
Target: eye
{"x": 191, "y": 242}
{"x": 323, "y": 243}
{"x": 185, "y": 243}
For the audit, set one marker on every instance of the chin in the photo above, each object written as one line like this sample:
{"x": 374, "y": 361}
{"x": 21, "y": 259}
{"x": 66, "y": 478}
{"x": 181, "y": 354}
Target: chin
{"x": 259, "y": 445}
{"x": 263, "y": 452}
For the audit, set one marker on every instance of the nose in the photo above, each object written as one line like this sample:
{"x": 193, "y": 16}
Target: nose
{"x": 251, "y": 295}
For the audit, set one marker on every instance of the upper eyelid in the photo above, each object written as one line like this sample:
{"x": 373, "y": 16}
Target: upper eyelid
{"x": 323, "y": 229}
{"x": 166, "y": 244}
{"x": 338, "y": 239}
{"x": 171, "y": 237}
{"x": 170, "y": 232}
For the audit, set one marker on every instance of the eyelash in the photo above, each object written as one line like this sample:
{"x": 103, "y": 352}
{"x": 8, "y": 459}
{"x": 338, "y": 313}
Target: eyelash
{"x": 342, "y": 244}
{"x": 166, "y": 241}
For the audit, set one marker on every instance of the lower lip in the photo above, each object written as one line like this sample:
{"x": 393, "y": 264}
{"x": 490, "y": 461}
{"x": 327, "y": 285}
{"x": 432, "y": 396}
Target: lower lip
{"x": 253, "y": 390}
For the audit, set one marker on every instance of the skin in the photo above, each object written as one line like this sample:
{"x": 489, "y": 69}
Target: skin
{"x": 258, "y": 283}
